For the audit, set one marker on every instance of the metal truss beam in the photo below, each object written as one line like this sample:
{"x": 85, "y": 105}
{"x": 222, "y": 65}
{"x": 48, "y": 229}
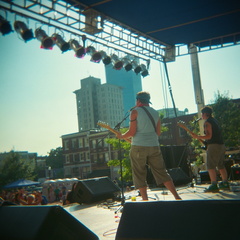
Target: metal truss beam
{"x": 99, "y": 29}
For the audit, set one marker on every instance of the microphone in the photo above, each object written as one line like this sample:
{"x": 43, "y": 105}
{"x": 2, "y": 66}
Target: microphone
{"x": 197, "y": 120}
{"x": 131, "y": 109}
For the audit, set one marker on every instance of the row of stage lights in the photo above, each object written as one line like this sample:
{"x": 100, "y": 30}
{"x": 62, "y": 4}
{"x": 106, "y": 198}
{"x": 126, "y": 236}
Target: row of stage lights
{"x": 80, "y": 51}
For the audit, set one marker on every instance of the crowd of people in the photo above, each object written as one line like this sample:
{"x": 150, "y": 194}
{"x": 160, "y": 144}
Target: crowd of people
{"x": 22, "y": 197}
{"x": 50, "y": 194}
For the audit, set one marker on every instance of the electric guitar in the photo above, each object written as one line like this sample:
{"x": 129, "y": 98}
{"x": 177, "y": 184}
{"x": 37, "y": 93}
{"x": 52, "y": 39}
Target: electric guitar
{"x": 105, "y": 125}
{"x": 182, "y": 125}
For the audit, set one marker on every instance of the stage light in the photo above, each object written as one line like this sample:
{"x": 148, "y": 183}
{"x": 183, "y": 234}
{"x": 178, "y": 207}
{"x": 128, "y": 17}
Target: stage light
{"x": 78, "y": 49}
{"x": 117, "y": 64}
{"x": 22, "y": 29}
{"x": 127, "y": 64}
{"x": 144, "y": 72}
{"x": 5, "y": 26}
{"x": 105, "y": 58}
{"x": 96, "y": 56}
{"x": 137, "y": 67}
{"x": 46, "y": 41}
{"x": 59, "y": 41}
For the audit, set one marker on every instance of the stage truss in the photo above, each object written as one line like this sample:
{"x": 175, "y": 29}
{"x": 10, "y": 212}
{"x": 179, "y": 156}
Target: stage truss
{"x": 77, "y": 20}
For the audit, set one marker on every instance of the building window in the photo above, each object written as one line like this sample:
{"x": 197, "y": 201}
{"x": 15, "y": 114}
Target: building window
{"x": 67, "y": 159}
{"x": 88, "y": 156}
{"x": 66, "y": 145}
{"x": 67, "y": 171}
{"x": 85, "y": 171}
{"x": 82, "y": 159}
{"x": 76, "y": 157}
{"x": 80, "y": 142}
{"x": 71, "y": 158}
{"x": 94, "y": 142}
{"x": 86, "y": 140}
{"x": 74, "y": 143}
{"x": 75, "y": 170}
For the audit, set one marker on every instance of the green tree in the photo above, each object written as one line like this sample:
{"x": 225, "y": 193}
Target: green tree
{"x": 228, "y": 114}
{"x": 55, "y": 160}
{"x": 124, "y": 148}
{"x": 14, "y": 168}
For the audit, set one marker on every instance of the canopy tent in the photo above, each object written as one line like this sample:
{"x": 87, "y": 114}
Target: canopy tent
{"x": 21, "y": 183}
{"x": 205, "y": 22}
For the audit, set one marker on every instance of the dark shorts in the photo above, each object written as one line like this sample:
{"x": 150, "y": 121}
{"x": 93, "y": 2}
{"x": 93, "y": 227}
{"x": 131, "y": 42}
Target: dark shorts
{"x": 140, "y": 156}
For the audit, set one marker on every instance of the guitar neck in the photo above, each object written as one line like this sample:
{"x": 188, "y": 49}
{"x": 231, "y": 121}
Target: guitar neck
{"x": 200, "y": 140}
{"x": 189, "y": 131}
{"x": 116, "y": 132}
{"x": 112, "y": 130}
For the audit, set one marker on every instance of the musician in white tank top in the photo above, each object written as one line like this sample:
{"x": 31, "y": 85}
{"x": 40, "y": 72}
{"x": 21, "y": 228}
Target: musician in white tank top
{"x": 144, "y": 129}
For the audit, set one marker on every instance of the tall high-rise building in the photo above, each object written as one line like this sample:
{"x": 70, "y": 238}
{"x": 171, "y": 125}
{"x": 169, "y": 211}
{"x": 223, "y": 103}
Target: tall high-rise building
{"x": 130, "y": 82}
{"x": 98, "y": 102}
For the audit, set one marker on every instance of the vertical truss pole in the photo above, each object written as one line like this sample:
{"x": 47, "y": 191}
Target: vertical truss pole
{"x": 199, "y": 97}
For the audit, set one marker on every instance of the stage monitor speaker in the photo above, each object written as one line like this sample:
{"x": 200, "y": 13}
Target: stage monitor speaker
{"x": 175, "y": 156}
{"x": 180, "y": 220}
{"x": 41, "y": 222}
{"x": 95, "y": 189}
{"x": 204, "y": 175}
{"x": 179, "y": 176}
{"x": 235, "y": 173}
{"x": 228, "y": 163}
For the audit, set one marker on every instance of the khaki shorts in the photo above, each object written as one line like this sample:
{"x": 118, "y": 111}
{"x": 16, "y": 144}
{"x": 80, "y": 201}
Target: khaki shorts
{"x": 140, "y": 156}
{"x": 215, "y": 156}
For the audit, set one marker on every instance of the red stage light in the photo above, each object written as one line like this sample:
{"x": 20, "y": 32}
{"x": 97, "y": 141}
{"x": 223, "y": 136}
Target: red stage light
{"x": 80, "y": 51}
{"x": 46, "y": 41}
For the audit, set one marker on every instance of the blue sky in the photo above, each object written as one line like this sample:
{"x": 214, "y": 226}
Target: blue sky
{"x": 37, "y": 103}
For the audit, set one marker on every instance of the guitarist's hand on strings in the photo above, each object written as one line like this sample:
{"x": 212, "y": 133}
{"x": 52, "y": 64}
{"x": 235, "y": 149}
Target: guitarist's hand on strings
{"x": 119, "y": 135}
{"x": 195, "y": 136}
{"x": 207, "y": 131}
{"x": 132, "y": 128}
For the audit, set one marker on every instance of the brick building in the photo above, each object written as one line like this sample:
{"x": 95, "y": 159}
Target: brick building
{"x": 86, "y": 154}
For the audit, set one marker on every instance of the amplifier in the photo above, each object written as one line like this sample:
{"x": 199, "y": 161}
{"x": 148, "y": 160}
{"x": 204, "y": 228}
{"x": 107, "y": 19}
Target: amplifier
{"x": 235, "y": 173}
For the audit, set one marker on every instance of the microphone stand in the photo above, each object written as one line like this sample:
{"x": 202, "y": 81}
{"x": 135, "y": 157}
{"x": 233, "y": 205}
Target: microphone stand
{"x": 117, "y": 127}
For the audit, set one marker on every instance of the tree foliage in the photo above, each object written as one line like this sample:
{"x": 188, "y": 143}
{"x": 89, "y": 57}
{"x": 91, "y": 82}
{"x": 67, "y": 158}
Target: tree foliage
{"x": 55, "y": 158}
{"x": 14, "y": 168}
{"x": 227, "y": 113}
{"x": 123, "y": 148}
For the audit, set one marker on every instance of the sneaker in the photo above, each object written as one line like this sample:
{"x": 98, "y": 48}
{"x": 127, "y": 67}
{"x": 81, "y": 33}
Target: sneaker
{"x": 212, "y": 188}
{"x": 224, "y": 186}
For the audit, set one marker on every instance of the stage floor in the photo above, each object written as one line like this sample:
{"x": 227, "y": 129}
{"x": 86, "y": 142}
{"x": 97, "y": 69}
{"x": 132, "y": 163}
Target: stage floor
{"x": 102, "y": 218}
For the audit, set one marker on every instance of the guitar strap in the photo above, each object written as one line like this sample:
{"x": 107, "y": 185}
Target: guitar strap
{"x": 150, "y": 116}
